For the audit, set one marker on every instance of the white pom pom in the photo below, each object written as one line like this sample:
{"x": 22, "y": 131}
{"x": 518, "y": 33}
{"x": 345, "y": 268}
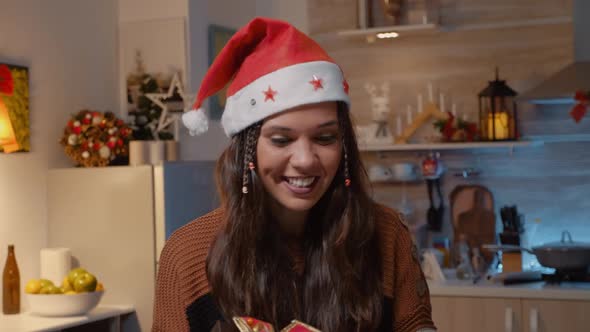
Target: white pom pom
{"x": 195, "y": 121}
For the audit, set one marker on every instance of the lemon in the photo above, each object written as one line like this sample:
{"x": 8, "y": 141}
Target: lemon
{"x": 33, "y": 286}
{"x": 74, "y": 273}
{"x": 66, "y": 285}
{"x": 46, "y": 282}
{"x": 50, "y": 289}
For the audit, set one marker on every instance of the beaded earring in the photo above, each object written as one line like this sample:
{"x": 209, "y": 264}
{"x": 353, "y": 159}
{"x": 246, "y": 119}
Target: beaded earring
{"x": 346, "y": 173}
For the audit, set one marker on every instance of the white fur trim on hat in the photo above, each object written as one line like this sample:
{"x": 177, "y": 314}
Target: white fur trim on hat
{"x": 195, "y": 121}
{"x": 289, "y": 86}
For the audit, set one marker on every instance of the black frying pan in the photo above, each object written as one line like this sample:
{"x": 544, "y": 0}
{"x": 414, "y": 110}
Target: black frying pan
{"x": 563, "y": 255}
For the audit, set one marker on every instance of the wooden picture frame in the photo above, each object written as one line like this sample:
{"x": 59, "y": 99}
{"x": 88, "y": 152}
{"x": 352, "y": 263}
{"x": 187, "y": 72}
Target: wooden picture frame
{"x": 218, "y": 36}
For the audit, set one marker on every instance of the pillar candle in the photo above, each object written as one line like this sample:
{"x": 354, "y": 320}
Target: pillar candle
{"x": 137, "y": 152}
{"x": 430, "y": 93}
{"x": 55, "y": 264}
{"x": 420, "y": 103}
{"x": 442, "y": 102}
{"x": 454, "y": 110}
{"x": 157, "y": 152}
{"x": 409, "y": 111}
{"x": 399, "y": 125}
{"x": 498, "y": 126}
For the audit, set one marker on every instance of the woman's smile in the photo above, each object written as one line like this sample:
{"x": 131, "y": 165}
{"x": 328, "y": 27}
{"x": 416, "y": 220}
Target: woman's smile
{"x": 301, "y": 185}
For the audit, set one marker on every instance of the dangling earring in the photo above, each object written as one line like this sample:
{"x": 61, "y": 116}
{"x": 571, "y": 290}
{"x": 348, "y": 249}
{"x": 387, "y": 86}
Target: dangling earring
{"x": 346, "y": 173}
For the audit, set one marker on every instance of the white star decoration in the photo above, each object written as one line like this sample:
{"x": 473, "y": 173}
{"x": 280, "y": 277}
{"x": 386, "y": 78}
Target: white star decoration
{"x": 168, "y": 116}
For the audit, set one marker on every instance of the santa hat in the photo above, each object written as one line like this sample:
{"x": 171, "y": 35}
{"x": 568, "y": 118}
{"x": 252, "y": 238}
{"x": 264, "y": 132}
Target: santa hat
{"x": 272, "y": 67}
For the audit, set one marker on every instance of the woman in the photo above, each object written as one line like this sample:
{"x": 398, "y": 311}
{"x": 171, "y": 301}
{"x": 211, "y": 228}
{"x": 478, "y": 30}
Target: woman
{"x": 297, "y": 236}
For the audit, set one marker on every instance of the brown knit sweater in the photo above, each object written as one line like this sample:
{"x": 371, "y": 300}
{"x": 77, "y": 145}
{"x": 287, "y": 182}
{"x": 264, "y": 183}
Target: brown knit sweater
{"x": 184, "y": 303}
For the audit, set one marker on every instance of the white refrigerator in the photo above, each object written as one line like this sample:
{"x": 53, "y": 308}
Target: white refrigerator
{"x": 116, "y": 220}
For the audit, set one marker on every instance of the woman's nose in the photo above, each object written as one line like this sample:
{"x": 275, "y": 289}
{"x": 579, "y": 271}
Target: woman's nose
{"x": 303, "y": 155}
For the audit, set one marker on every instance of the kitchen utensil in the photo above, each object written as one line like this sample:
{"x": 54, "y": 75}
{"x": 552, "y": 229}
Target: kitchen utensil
{"x": 435, "y": 215}
{"x": 563, "y": 255}
{"x": 511, "y": 219}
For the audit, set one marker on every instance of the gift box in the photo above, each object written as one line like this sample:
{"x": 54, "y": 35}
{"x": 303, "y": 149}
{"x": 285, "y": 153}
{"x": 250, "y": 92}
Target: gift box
{"x": 249, "y": 324}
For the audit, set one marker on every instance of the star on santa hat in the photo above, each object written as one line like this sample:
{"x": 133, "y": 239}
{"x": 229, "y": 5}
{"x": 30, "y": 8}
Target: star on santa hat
{"x": 317, "y": 83}
{"x": 269, "y": 94}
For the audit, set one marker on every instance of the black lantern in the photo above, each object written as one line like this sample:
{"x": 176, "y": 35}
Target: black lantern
{"x": 497, "y": 112}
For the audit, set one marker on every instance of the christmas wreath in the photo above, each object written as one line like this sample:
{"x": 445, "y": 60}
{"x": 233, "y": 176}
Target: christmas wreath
{"x": 93, "y": 138}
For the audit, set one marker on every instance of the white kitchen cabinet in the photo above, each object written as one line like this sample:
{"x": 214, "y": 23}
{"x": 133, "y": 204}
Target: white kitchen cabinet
{"x": 467, "y": 314}
{"x": 463, "y": 314}
{"x": 550, "y": 315}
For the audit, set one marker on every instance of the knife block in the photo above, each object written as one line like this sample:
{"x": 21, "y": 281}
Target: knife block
{"x": 511, "y": 262}
{"x": 510, "y": 238}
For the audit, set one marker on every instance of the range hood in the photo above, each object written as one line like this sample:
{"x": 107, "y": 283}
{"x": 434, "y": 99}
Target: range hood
{"x": 561, "y": 87}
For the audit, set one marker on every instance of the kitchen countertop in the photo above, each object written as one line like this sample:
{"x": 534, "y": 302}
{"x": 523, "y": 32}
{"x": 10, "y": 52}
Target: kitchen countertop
{"x": 534, "y": 290}
{"x": 30, "y": 323}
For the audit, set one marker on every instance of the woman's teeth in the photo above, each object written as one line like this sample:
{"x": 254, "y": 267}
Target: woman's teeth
{"x": 301, "y": 182}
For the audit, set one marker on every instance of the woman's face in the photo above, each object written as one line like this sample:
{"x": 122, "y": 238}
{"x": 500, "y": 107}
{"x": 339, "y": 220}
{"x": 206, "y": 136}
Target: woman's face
{"x": 298, "y": 154}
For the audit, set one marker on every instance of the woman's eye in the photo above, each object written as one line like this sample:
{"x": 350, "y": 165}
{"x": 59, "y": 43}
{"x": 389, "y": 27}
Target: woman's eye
{"x": 280, "y": 140}
{"x": 326, "y": 139}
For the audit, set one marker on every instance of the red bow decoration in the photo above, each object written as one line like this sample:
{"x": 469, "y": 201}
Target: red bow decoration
{"x": 581, "y": 106}
{"x": 448, "y": 129}
{"x": 455, "y": 130}
{"x": 470, "y": 129}
{"x": 6, "y": 81}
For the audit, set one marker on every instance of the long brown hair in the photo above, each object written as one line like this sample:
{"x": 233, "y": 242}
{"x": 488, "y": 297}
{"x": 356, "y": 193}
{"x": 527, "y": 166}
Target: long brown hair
{"x": 251, "y": 272}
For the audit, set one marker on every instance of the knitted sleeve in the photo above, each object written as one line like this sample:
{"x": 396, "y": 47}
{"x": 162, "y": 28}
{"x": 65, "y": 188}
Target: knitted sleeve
{"x": 403, "y": 275}
{"x": 181, "y": 301}
{"x": 169, "y": 309}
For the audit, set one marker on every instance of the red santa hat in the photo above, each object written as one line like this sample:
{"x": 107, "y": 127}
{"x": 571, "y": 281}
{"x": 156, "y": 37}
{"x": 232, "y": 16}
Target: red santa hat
{"x": 272, "y": 67}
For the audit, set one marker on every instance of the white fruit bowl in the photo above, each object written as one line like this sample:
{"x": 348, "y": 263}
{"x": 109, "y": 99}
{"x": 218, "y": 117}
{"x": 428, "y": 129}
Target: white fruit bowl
{"x": 56, "y": 305}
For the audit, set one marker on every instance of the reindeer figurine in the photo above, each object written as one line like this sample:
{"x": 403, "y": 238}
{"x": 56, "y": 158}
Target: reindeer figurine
{"x": 379, "y": 108}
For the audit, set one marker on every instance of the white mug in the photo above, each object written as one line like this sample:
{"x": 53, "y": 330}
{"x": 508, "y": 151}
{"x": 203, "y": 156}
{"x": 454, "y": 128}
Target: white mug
{"x": 404, "y": 171}
{"x": 379, "y": 173}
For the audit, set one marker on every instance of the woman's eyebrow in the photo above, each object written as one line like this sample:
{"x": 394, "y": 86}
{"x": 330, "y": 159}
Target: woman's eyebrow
{"x": 287, "y": 129}
{"x": 277, "y": 128}
{"x": 328, "y": 124}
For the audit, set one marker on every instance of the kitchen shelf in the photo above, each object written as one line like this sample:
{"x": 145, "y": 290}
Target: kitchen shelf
{"x": 432, "y": 28}
{"x": 404, "y": 30}
{"x": 509, "y": 24}
{"x": 562, "y": 138}
{"x": 450, "y": 146}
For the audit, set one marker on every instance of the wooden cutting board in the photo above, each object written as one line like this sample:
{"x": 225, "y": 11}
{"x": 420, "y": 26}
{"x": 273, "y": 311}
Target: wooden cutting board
{"x": 472, "y": 210}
